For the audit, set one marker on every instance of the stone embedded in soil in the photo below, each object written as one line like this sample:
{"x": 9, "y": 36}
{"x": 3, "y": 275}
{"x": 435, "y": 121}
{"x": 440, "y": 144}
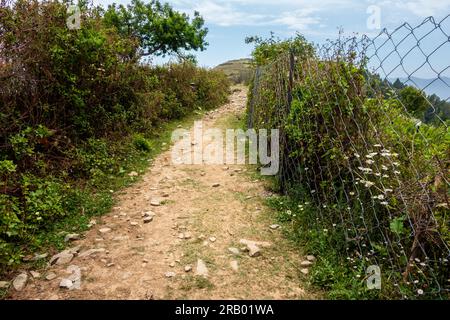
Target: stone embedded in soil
{"x": 201, "y": 269}
{"x": 148, "y": 219}
{"x": 275, "y": 226}
{"x": 234, "y": 265}
{"x": 62, "y": 258}
{"x": 72, "y": 237}
{"x": 38, "y": 257}
{"x": 35, "y": 274}
{"x": 90, "y": 252}
{"x": 148, "y": 214}
{"x": 172, "y": 264}
{"x": 212, "y": 239}
{"x": 134, "y": 224}
{"x": 216, "y": 185}
{"x": 311, "y": 258}
{"x": 170, "y": 274}
{"x": 20, "y": 281}
{"x": 66, "y": 284}
{"x": 234, "y": 251}
{"x": 155, "y": 202}
{"x": 253, "y": 247}
{"x": 187, "y": 269}
{"x": 305, "y": 271}
{"x": 306, "y": 263}
{"x": 187, "y": 235}
{"x": 51, "y": 276}
{"x": 105, "y": 230}
{"x": 4, "y": 285}
{"x": 121, "y": 238}
{"x": 111, "y": 264}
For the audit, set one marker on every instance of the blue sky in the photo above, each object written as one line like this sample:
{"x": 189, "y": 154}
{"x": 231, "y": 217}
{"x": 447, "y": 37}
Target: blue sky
{"x": 230, "y": 21}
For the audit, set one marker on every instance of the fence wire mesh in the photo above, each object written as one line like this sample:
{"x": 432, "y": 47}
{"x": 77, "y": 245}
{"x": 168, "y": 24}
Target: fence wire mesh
{"x": 364, "y": 145}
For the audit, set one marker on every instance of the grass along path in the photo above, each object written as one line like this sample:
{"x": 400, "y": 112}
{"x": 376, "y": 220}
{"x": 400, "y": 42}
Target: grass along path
{"x": 191, "y": 249}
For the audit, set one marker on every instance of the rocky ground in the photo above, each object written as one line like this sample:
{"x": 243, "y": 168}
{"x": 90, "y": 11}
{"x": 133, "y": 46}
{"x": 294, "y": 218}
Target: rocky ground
{"x": 182, "y": 232}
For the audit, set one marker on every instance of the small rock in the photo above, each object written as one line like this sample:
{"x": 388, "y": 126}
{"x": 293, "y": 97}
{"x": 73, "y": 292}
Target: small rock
{"x": 105, "y": 230}
{"x": 148, "y": 219}
{"x": 212, "y": 239}
{"x": 181, "y": 236}
{"x": 92, "y": 223}
{"x": 275, "y": 226}
{"x": 4, "y": 285}
{"x": 187, "y": 269}
{"x": 66, "y": 284}
{"x": 203, "y": 174}
{"x": 90, "y": 252}
{"x": 155, "y": 203}
{"x": 133, "y": 174}
{"x": 134, "y": 224}
{"x": 20, "y": 281}
{"x": 187, "y": 235}
{"x": 170, "y": 274}
{"x": 234, "y": 265}
{"x": 306, "y": 263}
{"x": 50, "y": 276}
{"x": 148, "y": 214}
{"x": 215, "y": 185}
{"x": 72, "y": 237}
{"x": 253, "y": 250}
{"x": 165, "y": 195}
{"x": 111, "y": 264}
{"x": 61, "y": 258}
{"x": 38, "y": 257}
{"x": 121, "y": 238}
{"x": 172, "y": 264}
{"x": 234, "y": 251}
{"x": 35, "y": 274}
{"x": 311, "y": 258}
{"x": 305, "y": 271}
{"x": 201, "y": 269}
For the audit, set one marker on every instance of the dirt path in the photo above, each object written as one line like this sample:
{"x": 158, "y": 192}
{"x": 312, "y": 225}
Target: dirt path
{"x": 195, "y": 221}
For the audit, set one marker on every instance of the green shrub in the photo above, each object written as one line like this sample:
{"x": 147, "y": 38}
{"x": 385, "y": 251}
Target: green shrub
{"x": 141, "y": 143}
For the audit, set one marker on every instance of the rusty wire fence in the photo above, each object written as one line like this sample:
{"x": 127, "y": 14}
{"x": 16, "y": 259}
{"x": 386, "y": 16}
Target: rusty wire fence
{"x": 365, "y": 149}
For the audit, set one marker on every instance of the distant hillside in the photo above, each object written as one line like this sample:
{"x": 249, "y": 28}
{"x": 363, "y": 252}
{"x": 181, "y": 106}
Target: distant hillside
{"x": 239, "y": 71}
{"x": 439, "y": 88}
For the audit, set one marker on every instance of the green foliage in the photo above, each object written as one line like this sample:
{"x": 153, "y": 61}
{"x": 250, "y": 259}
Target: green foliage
{"x": 414, "y": 101}
{"x": 158, "y": 28}
{"x": 372, "y": 173}
{"x": 79, "y": 109}
{"x": 141, "y": 143}
{"x": 267, "y": 50}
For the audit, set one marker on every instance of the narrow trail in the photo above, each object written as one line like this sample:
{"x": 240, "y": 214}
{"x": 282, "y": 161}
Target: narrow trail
{"x": 192, "y": 221}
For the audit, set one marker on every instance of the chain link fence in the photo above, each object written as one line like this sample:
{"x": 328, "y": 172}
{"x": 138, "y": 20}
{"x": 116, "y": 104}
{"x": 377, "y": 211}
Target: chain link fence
{"x": 365, "y": 149}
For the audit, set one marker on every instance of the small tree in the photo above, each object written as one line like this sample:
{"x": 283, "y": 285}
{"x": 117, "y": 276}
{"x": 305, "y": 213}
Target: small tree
{"x": 158, "y": 28}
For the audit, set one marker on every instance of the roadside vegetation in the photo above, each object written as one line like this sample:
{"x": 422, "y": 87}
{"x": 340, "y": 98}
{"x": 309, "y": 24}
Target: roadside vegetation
{"x": 364, "y": 166}
{"x": 82, "y": 111}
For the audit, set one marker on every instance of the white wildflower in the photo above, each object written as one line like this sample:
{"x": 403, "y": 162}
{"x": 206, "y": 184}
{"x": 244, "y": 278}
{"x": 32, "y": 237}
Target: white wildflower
{"x": 368, "y": 184}
{"x": 420, "y": 292}
{"x": 384, "y": 168}
{"x": 384, "y": 203}
{"x": 370, "y": 162}
{"x": 388, "y": 190}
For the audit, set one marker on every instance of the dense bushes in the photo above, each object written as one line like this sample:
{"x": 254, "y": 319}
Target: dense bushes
{"x": 76, "y": 107}
{"x": 367, "y": 181}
